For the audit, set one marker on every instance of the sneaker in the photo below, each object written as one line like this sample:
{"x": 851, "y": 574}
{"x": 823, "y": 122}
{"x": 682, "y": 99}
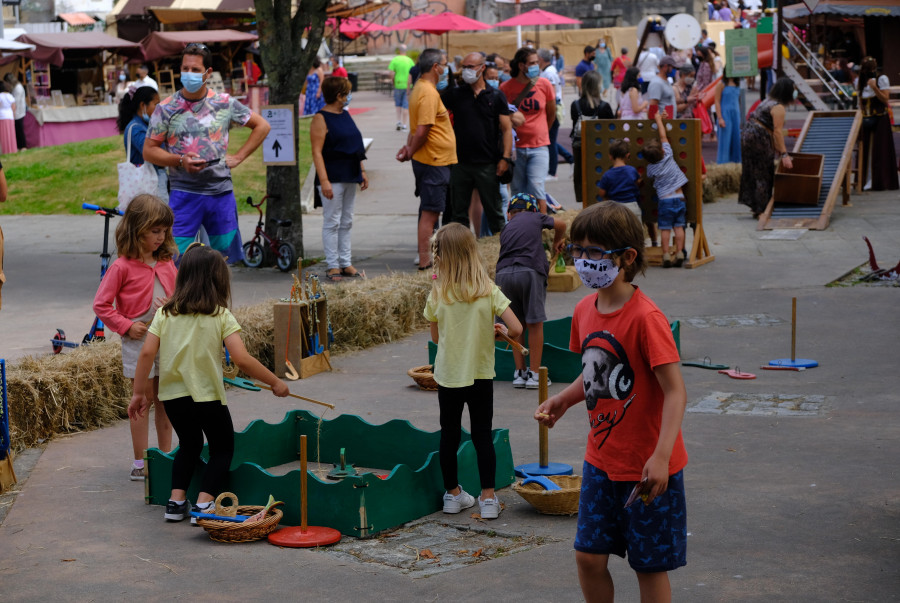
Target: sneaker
{"x": 196, "y": 509}
{"x": 455, "y": 504}
{"x": 490, "y": 508}
{"x": 551, "y": 178}
{"x": 416, "y": 261}
{"x": 667, "y": 260}
{"x": 404, "y": 127}
{"x": 533, "y": 381}
{"x": 137, "y": 474}
{"x": 176, "y": 512}
{"x": 680, "y": 257}
{"x": 399, "y": 126}
{"x": 519, "y": 379}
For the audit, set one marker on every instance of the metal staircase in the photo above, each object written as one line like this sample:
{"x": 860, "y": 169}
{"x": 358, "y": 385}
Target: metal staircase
{"x": 833, "y": 91}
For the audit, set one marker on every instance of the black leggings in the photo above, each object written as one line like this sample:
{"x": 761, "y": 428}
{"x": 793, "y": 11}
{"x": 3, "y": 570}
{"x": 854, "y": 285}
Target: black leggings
{"x": 191, "y": 420}
{"x": 480, "y": 398}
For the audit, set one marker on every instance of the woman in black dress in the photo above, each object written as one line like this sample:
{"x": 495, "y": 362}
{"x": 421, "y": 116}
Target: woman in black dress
{"x": 879, "y": 157}
{"x": 762, "y": 142}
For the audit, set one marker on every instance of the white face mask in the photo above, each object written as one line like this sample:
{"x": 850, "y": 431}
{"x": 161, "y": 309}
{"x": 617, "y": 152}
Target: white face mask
{"x": 470, "y": 76}
{"x": 596, "y": 274}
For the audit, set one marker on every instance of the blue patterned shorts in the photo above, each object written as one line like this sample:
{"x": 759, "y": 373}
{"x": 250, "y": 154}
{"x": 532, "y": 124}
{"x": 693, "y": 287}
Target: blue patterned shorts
{"x": 653, "y": 536}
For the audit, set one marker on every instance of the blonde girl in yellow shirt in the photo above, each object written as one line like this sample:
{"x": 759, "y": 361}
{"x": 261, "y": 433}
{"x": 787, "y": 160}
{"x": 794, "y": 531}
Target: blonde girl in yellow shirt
{"x": 461, "y": 307}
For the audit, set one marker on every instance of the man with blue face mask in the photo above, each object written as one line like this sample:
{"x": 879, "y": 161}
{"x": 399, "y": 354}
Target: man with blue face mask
{"x": 483, "y": 144}
{"x": 431, "y": 146}
{"x": 188, "y": 133}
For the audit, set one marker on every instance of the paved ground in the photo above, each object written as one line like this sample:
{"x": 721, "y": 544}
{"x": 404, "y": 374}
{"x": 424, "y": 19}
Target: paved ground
{"x": 782, "y": 507}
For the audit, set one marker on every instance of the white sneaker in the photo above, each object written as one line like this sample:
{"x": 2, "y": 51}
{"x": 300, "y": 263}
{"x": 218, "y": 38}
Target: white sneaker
{"x": 519, "y": 379}
{"x": 533, "y": 381}
{"x": 490, "y": 508}
{"x": 455, "y": 504}
{"x": 551, "y": 178}
{"x": 399, "y": 126}
{"x": 416, "y": 261}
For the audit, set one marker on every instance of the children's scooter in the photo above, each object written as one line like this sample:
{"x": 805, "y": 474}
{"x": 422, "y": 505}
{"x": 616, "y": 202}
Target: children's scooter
{"x": 96, "y": 333}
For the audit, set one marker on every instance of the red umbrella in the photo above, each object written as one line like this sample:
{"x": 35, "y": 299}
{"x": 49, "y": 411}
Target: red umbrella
{"x": 538, "y": 17}
{"x": 448, "y": 21}
{"x": 352, "y": 26}
{"x": 408, "y": 23}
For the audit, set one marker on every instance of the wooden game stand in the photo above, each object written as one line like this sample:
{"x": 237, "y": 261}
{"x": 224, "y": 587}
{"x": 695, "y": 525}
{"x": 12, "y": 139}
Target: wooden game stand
{"x": 684, "y": 136}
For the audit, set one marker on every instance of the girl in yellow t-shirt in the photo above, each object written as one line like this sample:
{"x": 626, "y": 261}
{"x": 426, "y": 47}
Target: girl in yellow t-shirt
{"x": 188, "y": 331}
{"x": 461, "y": 308}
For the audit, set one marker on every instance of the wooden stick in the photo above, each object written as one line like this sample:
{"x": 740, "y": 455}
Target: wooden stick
{"x": 543, "y": 430}
{"x": 263, "y": 386}
{"x": 519, "y": 347}
{"x": 793, "y": 329}
{"x": 303, "y": 524}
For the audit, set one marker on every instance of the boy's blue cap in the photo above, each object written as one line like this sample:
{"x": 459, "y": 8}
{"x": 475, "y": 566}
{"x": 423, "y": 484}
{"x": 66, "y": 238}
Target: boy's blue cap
{"x": 523, "y": 202}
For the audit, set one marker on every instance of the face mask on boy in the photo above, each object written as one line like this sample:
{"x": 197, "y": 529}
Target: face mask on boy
{"x": 596, "y": 274}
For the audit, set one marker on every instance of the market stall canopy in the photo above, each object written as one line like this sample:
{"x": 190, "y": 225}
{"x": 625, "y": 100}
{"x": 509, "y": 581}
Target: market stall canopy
{"x": 49, "y": 47}
{"x": 11, "y": 46}
{"x": 160, "y": 44}
{"x": 444, "y": 22}
{"x": 77, "y": 19}
{"x": 181, "y": 11}
{"x": 846, "y": 8}
{"x": 538, "y": 17}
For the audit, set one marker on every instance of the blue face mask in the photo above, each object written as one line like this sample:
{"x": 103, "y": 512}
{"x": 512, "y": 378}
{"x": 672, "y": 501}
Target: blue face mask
{"x": 445, "y": 79}
{"x": 347, "y": 100}
{"x": 533, "y": 71}
{"x": 192, "y": 82}
{"x": 145, "y": 117}
{"x": 493, "y": 83}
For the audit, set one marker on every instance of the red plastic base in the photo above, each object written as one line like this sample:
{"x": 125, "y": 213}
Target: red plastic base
{"x": 296, "y": 538}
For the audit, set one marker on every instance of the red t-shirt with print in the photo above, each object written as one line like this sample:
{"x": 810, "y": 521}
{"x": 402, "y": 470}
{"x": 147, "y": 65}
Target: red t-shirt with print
{"x": 535, "y": 132}
{"x": 624, "y": 400}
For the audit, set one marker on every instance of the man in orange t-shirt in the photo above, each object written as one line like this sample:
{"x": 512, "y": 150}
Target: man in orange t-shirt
{"x": 431, "y": 145}
{"x": 538, "y": 105}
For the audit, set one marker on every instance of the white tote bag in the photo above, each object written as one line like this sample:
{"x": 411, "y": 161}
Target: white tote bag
{"x": 135, "y": 180}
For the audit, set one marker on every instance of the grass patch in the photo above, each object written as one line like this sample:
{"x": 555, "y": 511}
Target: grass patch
{"x": 57, "y": 180}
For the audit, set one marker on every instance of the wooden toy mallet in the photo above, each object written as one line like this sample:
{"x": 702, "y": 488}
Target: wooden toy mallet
{"x": 519, "y": 347}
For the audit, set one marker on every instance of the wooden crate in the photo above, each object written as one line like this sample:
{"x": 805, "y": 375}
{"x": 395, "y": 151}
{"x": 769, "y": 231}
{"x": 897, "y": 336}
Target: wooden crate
{"x": 292, "y": 324}
{"x": 563, "y": 281}
{"x": 801, "y": 184}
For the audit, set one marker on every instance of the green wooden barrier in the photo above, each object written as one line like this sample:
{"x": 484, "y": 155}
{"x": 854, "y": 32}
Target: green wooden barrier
{"x": 356, "y": 506}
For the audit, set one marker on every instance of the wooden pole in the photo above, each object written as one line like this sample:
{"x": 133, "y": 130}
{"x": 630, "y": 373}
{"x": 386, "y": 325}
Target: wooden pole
{"x": 793, "y": 329}
{"x": 303, "y": 524}
{"x": 543, "y": 430}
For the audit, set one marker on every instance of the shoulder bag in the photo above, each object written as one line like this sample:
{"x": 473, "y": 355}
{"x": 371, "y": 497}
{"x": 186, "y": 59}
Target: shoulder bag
{"x": 135, "y": 180}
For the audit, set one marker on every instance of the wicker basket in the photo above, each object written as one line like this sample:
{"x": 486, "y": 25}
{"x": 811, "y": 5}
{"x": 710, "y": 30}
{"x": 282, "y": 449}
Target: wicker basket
{"x": 423, "y": 377}
{"x": 229, "y": 531}
{"x": 553, "y": 502}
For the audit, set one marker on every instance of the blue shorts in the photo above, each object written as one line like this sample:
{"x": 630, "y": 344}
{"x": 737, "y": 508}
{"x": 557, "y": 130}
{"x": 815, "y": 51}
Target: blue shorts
{"x": 671, "y": 213}
{"x": 401, "y": 98}
{"x": 216, "y": 213}
{"x": 654, "y": 536}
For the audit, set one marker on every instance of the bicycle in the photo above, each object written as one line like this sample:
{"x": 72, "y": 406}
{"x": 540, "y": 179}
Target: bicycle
{"x": 254, "y": 250}
{"x": 97, "y": 332}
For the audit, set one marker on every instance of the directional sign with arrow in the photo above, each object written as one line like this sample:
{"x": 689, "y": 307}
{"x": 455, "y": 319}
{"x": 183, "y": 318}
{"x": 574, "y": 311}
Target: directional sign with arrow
{"x": 279, "y": 146}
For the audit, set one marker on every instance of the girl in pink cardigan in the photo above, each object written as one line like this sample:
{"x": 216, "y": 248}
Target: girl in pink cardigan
{"x": 136, "y": 284}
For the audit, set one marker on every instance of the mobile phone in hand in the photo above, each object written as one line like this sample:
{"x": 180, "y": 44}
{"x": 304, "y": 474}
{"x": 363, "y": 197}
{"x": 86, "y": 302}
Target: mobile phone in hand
{"x": 212, "y": 162}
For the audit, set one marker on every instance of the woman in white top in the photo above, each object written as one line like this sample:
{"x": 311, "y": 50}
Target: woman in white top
{"x": 879, "y": 155}
{"x": 7, "y": 120}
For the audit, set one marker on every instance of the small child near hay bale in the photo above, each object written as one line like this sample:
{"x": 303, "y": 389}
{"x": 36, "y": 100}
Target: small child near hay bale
{"x": 635, "y": 398}
{"x": 136, "y": 284}
{"x": 461, "y": 307}
{"x": 668, "y": 180}
{"x": 522, "y": 277}
{"x": 621, "y": 183}
{"x": 188, "y": 331}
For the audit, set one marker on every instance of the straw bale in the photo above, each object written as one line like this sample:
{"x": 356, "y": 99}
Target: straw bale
{"x": 77, "y": 391}
{"x": 721, "y": 180}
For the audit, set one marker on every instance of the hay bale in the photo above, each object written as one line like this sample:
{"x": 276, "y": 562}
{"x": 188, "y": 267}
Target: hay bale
{"x": 77, "y": 391}
{"x": 721, "y": 180}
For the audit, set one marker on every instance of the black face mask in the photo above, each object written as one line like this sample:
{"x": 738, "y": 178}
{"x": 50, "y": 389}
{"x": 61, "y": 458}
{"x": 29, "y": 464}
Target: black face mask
{"x": 592, "y": 57}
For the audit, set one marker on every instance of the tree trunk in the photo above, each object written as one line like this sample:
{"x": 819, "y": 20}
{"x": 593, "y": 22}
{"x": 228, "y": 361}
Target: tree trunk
{"x": 286, "y": 63}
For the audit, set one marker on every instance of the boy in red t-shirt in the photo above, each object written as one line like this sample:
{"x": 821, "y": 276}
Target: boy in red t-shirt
{"x": 635, "y": 398}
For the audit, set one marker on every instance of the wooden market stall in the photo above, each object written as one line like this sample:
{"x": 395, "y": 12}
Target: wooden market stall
{"x": 68, "y": 75}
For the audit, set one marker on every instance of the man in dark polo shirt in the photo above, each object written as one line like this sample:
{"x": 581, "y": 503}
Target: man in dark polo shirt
{"x": 483, "y": 143}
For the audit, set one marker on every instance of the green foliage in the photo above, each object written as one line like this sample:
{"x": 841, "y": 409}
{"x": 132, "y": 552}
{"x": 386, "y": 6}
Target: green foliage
{"x": 57, "y": 180}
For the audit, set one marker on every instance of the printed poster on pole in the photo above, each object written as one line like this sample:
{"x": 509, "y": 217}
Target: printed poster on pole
{"x": 279, "y": 146}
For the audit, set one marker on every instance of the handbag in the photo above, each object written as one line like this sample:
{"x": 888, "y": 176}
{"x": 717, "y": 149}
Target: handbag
{"x": 702, "y": 114}
{"x": 135, "y": 180}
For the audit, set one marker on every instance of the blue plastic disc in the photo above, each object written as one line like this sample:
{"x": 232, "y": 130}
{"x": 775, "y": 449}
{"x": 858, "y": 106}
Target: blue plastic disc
{"x": 550, "y": 469}
{"x": 796, "y": 362}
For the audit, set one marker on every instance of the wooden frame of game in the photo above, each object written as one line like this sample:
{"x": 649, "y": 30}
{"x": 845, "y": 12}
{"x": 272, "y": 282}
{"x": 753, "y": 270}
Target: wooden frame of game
{"x": 684, "y": 136}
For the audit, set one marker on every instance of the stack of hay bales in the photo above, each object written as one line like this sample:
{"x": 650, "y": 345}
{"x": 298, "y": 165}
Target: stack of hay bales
{"x": 85, "y": 389}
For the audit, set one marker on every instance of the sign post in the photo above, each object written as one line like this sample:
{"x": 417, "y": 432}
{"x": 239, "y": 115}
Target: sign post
{"x": 278, "y": 147}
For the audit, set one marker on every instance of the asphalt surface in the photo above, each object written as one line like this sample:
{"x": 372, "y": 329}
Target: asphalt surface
{"x": 801, "y": 506}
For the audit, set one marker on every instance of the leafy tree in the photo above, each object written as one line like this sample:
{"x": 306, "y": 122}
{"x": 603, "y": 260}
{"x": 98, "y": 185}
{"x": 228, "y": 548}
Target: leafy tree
{"x": 287, "y": 61}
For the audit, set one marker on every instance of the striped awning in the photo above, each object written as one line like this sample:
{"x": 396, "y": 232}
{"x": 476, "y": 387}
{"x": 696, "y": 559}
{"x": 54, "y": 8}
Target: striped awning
{"x": 76, "y": 19}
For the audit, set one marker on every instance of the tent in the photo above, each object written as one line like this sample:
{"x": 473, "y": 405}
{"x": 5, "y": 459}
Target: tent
{"x": 161, "y": 44}
{"x": 846, "y": 8}
{"x": 49, "y": 47}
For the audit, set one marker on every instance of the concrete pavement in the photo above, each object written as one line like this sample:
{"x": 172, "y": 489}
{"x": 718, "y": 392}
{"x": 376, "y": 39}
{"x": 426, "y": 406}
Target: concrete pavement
{"x": 782, "y": 507}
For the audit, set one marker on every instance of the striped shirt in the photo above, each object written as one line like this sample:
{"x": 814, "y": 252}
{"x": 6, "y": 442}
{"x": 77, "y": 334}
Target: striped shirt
{"x": 667, "y": 176}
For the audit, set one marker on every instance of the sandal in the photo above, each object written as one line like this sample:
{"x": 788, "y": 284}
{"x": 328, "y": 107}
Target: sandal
{"x": 356, "y": 273}
{"x": 333, "y": 275}
{"x": 423, "y": 268}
